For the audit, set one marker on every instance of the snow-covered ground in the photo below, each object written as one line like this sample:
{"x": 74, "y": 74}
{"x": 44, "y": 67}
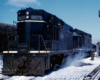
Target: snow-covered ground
{"x": 74, "y": 69}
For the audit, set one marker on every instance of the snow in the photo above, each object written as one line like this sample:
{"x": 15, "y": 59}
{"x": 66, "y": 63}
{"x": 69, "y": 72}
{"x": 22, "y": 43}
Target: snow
{"x": 74, "y": 69}
{"x": 72, "y": 72}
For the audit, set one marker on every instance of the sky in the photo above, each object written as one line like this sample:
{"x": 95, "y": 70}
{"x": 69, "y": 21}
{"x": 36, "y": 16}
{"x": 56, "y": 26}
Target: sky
{"x": 80, "y": 14}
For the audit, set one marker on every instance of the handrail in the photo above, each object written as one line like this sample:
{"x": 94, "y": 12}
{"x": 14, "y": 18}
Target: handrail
{"x": 43, "y": 42}
{"x": 39, "y": 36}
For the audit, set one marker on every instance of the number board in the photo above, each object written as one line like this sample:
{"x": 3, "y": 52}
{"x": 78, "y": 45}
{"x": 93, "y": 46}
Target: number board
{"x": 36, "y": 17}
{"x": 32, "y": 17}
{"x": 21, "y": 18}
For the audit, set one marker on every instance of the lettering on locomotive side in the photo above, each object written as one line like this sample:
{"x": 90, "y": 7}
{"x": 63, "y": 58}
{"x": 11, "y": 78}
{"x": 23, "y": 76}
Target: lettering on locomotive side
{"x": 36, "y": 17}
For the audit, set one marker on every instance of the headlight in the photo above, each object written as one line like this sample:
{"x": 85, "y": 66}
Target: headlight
{"x": 27, "y": 17}
{"x": 27, "y": 13}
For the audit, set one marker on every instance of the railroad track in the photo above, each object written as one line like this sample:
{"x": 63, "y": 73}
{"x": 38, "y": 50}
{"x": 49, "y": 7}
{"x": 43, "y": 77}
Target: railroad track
{"x": 17, "y": 77}
{"x": 94, "y": 75}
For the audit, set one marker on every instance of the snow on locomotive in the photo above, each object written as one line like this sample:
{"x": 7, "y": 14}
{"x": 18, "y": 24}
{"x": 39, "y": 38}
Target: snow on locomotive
{"x": 42, "y": 42}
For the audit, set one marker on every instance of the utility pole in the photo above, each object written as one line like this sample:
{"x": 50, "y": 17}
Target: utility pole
{"x": 14, "y": 23}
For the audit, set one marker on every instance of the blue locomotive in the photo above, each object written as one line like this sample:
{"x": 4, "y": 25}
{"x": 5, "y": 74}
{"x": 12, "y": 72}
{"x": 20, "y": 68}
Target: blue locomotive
{"x": 81, "y": 39}
{"x": 42, "y": 42}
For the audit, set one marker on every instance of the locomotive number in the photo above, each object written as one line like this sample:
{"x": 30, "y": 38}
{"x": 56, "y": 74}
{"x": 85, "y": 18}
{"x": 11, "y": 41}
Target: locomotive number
{"x": 36, "y": 17}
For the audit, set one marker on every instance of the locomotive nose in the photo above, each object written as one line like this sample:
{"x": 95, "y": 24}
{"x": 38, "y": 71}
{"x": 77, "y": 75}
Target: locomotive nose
{"x": 21, "y": 62}
{"x": 23, "y": 65}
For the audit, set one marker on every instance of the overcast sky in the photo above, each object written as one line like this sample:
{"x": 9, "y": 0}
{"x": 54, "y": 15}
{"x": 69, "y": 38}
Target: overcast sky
{"x": 80, "y": 14}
